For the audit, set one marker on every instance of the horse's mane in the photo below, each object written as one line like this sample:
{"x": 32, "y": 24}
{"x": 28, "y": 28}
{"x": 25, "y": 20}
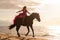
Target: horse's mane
{"x": 34, "y": 13}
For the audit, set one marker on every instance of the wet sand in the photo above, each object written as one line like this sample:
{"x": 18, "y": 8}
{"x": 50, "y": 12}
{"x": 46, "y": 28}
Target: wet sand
{"x": 6, "y": 34}
{"x": 11, "y": 37}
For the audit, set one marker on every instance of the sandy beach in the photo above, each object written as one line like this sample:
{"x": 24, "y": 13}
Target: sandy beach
{"x": 4, "y": 36}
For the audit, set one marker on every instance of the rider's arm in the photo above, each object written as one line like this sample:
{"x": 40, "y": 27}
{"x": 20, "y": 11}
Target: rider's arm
{"x": 18, "y": 11}
{"x": 28, "y": 12}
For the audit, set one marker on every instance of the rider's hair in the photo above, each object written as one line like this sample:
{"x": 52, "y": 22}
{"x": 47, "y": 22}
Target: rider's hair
{"x": 24, "y": 7}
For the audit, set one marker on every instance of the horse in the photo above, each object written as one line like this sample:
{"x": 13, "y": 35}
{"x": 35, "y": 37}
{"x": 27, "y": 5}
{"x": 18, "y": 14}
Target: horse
{"x": 28, "y": 22}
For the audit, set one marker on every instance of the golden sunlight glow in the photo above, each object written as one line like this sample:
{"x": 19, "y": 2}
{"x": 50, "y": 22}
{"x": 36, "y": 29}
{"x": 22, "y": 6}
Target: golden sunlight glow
{"x": 53, "y": 1}
{"x": 49, "y": 12}
{"x": 38, "y": 1}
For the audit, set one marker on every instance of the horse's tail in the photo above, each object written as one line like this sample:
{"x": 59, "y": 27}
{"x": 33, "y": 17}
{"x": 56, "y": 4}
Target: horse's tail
{"x": 11, "y": 26}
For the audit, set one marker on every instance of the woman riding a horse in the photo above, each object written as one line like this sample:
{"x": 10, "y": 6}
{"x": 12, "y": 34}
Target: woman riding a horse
{"x": 24, "y": 14}
{"x": 22, "y": 20}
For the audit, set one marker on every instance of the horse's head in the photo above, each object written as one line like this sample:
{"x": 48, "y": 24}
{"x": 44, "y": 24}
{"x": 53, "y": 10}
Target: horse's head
{"x": 37, "y": 16}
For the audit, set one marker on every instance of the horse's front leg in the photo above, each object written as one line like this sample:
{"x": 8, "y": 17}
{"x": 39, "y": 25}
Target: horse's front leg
{"x": 32, "y": 30}
{"x": 17, "y": 29}
{"x": 28, "y": 31}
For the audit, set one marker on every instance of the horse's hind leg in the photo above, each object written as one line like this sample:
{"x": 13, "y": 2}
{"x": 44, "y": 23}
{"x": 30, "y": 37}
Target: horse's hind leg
{"x": 32, "y": 30}
{"x": 28, "y": 31}
{"x": 17, "y": 29}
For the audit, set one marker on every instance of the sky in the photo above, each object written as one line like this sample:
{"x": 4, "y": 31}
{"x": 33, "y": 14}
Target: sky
{"x": 49, "y": 10}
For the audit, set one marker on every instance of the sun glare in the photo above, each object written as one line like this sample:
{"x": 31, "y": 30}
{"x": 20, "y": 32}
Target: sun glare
{"x": 40, "y": 6}
{"x": 54, "y": 30}
{"x": 38, "y": 1}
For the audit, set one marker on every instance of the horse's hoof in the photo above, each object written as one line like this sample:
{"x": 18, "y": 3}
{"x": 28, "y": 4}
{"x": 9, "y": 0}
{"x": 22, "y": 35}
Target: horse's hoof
{"x": 18, "y": 35}
{"x": 25, "y": 34}
{"x": 33, "y": 36}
